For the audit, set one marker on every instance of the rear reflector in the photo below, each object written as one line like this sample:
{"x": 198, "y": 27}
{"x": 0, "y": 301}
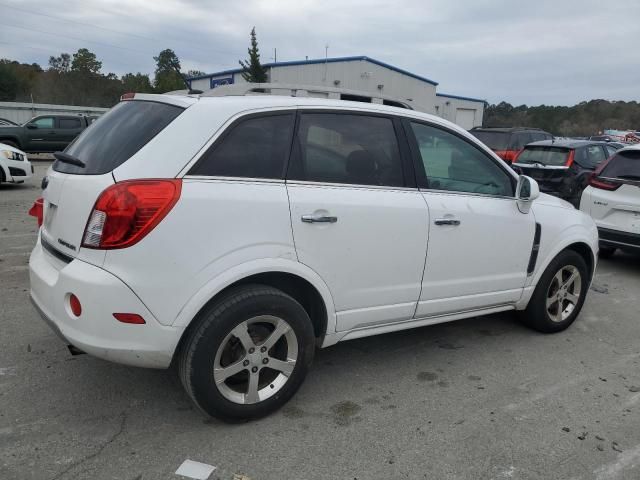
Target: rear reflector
{"x": 36, "y": 210}
{"x": 126, "y": 212}
{"x": 74, "y": 305}
{"x": 129, "y": 318}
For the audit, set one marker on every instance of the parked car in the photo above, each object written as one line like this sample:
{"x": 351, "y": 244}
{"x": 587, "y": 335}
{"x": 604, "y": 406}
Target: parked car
{"x": 232, "y": 235}
{"x": 14, "y": 165}
{"x": 562, "y": 168}
{"x": 507, "y": 142}
{"x": 613, "y": 200}
{"x": 46, "y": 133}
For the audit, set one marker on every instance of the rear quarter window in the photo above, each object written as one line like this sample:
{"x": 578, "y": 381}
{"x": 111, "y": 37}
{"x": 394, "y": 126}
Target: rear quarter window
{"x": 117, "y": 136}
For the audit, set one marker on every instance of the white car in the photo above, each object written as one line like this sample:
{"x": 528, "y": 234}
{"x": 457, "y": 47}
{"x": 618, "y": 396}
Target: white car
{"x": 14, "y": 166}
{"x": 613, "y": 200}
{"x": 233, "y": 235}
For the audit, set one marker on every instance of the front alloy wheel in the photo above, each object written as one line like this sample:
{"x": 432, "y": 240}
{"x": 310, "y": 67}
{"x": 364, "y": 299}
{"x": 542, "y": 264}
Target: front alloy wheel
{"x": 563, "y": 294}
{"x": 559, "y": 294}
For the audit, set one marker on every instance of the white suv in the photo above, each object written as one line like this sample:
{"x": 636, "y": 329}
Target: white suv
{"x": 232, "y": 235}
{"x": 613, "y": 200}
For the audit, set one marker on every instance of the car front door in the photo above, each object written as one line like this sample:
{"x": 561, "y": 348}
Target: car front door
{"x": 479, "y": 242}
{"x": 357, "y": 218}
{"x": 41, "y": 134}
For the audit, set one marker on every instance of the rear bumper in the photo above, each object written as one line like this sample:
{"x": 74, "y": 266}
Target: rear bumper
{"x": 618, "y": 239}
{"x": 96, "y": 331}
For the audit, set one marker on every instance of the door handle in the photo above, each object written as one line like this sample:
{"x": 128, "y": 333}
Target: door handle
{"x": 318, "y": 219}
{"x": 447, "y": 221}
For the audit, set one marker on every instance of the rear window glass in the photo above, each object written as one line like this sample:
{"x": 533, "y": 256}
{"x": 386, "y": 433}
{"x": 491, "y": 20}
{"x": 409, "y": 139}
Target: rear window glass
{"x": 623, "y": 165}
{"x": 117, "y": 136}
{"x": 549, "y": 156}
{"x": 493, "y": 140}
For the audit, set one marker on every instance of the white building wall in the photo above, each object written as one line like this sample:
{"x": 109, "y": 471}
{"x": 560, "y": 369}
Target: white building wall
{"x": 20, "y": 112}
{"x": 466, "y": 113}
{"x": 360, "y": 75}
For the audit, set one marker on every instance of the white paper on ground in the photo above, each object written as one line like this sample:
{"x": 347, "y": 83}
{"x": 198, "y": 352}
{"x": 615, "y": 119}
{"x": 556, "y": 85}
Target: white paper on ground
{"x": 197, "y": 470}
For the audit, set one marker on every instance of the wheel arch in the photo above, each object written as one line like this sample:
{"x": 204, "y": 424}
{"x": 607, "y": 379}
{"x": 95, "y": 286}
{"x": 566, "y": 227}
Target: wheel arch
{"x": 580, "y": 245}
{"x": 293, "y": 278}
{"x": 13, "y": 140}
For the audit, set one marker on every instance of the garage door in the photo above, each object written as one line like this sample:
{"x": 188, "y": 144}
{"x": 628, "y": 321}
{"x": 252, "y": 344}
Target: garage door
{"x": 465, "y": 118}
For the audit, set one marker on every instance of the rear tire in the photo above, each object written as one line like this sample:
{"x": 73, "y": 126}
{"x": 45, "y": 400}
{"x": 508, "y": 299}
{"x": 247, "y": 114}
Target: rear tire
{"x": 606, "y": 252}
{"x": 248, "y": 353}
{"x": 559, "y": 295}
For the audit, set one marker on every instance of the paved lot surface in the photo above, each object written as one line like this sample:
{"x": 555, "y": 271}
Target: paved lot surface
{"x": 483, "y": 398}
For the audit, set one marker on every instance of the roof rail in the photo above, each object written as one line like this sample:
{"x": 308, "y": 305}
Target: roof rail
{"x": 297, "y": 90}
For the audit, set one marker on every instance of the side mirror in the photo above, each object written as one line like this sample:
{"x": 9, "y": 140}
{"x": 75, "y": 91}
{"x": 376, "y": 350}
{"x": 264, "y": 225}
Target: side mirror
{"x": 527, "y": 191}
{"x": 31, "y": 126}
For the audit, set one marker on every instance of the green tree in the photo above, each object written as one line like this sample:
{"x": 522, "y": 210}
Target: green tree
{"x": 61, "y": 64}
{"x": 252, "y": 69}
{"x": 85, "y": 62}
{"x": 136, "y": 82}
{"x": 167, "y": 78}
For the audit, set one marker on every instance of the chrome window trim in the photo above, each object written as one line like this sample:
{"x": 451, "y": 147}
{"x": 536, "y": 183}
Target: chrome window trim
{"x": 466, "y": 194}
{"x": 312, "y": 183}
{"x": 217, "y": 178}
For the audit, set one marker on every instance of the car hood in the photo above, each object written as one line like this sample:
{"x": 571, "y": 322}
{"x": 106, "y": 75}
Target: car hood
{"x": 551, "y": 201}
{"x": 10, "y": 148}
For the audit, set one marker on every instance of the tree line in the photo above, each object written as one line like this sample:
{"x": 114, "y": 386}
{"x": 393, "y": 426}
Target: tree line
{"x": 78, "y": 80}
{"x": 583, "y": 119}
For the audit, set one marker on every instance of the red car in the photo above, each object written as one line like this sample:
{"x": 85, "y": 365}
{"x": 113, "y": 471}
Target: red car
{"x": 507, "y": 142}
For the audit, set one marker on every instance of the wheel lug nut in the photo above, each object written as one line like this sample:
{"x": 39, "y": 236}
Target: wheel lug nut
{"x": 263, "y": 349}
{"x": 265, "y": 360}
{"x": 254, "y": 369}
{"x": 251, "y": 350}
{"x": 245, "y": 363}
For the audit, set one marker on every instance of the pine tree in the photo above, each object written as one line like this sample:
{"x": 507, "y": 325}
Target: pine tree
{"x": 252, "y": 70}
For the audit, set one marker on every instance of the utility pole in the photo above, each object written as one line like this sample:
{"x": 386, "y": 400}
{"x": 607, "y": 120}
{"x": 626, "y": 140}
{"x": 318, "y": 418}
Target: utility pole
{"x": 275, "y": 55}
{"x": 326, "y": 56}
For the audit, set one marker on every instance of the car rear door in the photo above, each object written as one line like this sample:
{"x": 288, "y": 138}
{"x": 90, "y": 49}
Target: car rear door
{"x": 68, "y": 128}
{"x": 479, "y": 242}
{"x": 357, "y": 219}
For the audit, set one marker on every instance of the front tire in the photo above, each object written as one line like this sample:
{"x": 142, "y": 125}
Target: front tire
{"x": 559, "y": 295}
{"x": 248, "y": 354}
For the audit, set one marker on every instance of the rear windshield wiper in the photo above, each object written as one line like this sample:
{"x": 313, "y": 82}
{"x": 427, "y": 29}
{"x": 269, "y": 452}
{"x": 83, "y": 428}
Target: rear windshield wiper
{"x": 70, "y": 159}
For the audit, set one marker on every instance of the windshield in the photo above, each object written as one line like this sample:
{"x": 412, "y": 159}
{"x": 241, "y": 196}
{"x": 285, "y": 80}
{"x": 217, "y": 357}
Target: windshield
{"x": 117, "y": 135}
{"x": 548, "y": 156}
{"x": 494, "y": 140}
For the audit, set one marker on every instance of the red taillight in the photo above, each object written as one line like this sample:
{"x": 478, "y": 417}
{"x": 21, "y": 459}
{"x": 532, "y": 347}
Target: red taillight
{"x": 126, "y": 212}
{"x": 74, "y": 305}
{"x": 133, "y": 318}
{"x": 36, "y": 210}
{"x": 572, "y": 155}
{"x": 603, "y": 184}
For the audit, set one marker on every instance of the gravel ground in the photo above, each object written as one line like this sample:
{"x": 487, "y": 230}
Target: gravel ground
{"x": 483, "y": 398}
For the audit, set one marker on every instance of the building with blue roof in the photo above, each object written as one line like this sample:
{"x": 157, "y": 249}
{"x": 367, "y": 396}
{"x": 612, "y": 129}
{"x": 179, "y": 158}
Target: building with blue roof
{"x": 362, "y": 74}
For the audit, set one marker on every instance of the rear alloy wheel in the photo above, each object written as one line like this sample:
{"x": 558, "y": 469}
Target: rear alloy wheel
{"x": 248, "y": 354}
{"x": 559, "y": 295}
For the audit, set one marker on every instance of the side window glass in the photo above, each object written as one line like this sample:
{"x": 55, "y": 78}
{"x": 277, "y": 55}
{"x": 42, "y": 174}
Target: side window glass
{"x": 610, "y": 150}
{"x": 43, "y": 122}
{"x": 254, "y": 148}
{"x": 69, "y": 123}
{"x": 595, "y": 155}
{"x": 345, "y": 148}
{"x": 453, "y": 164}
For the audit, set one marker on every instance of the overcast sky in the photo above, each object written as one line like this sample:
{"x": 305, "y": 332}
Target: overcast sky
{"x": 554, "y": 52}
